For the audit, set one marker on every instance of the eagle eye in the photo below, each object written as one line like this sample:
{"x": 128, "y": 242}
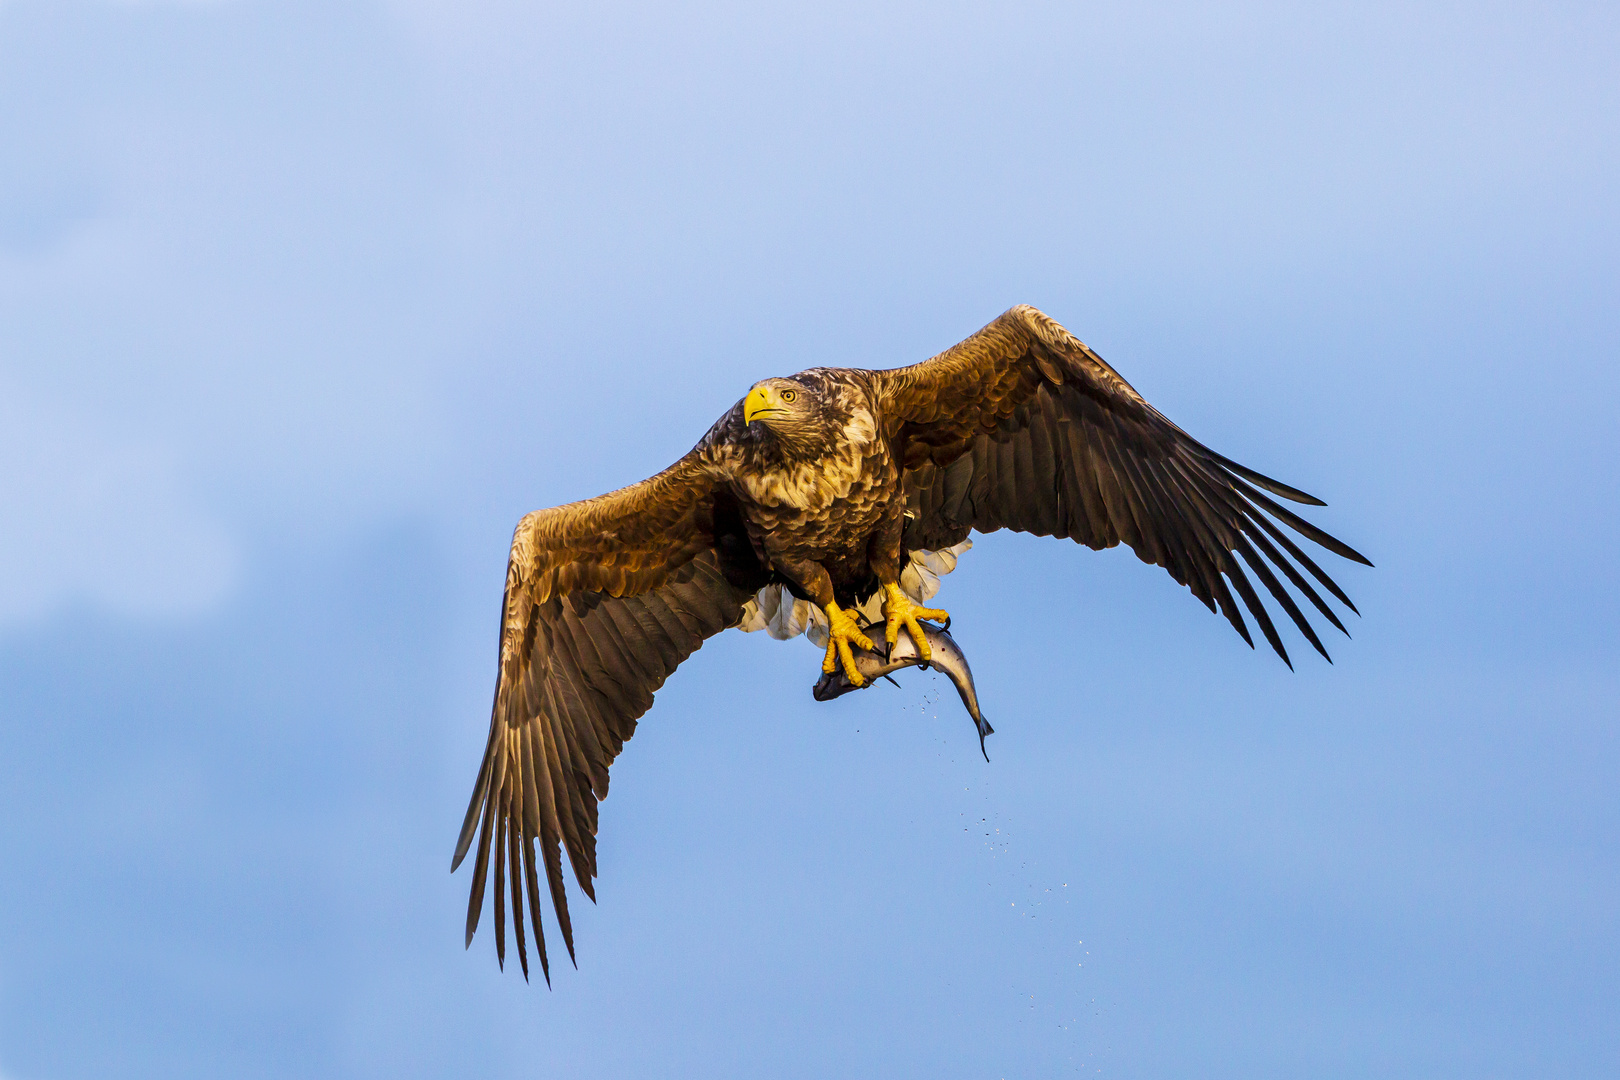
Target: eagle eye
{"x": 789, "y": 395}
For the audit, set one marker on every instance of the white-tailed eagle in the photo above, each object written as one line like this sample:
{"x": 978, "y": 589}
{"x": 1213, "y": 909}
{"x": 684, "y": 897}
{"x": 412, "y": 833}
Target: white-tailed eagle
{"x": 816, "y": 500}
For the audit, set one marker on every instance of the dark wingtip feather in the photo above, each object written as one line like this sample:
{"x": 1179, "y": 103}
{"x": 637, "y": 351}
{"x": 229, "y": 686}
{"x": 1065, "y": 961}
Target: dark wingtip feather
{"x": 1260, "y": 541}
{"x": 1303, "y": 527}
{"x": 1258, "y": 610}
{"x": 469, "y": 824}
{"x": 534, "y": 909}
{"x": 1278, "y": 591}
{"x": 1276, "y": 487}
{"x": 498, "y": 901}
{"x": 567, "y": 932}
{"x": 1355, "y": 556}
{"x": 515, "y": 866}
{"x": 475, "y": 896}
{"x": 475, "y": 805}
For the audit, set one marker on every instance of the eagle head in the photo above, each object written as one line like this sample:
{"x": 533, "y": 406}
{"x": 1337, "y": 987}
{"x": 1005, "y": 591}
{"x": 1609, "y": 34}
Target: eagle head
{"x": 792, "y": 411}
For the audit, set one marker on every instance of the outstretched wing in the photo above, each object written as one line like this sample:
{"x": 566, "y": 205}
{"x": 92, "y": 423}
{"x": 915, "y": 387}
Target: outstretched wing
{"x": 1023, "y": 427}
{"x": 603, "y": 599}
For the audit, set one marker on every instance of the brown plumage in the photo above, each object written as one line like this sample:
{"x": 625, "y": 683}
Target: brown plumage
{"x": 840, "y": 477}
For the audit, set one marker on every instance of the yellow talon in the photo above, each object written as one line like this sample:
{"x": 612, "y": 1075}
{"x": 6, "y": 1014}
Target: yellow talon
{"x": 842, "y": 632}
{"x": 900, "y": 611}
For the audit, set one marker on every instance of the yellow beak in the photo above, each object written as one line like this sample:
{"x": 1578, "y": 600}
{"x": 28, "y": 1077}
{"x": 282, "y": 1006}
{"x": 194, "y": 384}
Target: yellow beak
{"x": 759, "y": 400}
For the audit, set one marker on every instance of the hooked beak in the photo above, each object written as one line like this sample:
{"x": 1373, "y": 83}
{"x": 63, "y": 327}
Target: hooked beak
{"x": 760, "y": 400}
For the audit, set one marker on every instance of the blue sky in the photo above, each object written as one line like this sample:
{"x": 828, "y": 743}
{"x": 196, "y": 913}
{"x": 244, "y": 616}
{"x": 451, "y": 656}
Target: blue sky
{"x": 303, "y": 304}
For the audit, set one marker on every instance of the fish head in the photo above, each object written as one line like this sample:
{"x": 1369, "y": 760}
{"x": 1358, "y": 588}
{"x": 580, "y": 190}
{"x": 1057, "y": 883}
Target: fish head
{"x": 833, "y": 684}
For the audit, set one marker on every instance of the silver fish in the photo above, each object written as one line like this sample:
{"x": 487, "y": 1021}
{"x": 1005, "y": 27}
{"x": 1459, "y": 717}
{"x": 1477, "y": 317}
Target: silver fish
{"x": 882, "y": 660}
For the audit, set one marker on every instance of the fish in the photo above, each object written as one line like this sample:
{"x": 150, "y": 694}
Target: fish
{"x": 878, "y": 662}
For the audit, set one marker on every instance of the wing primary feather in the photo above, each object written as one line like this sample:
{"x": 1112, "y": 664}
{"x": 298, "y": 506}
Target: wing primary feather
{"x": 475, "y": 805}
{"x": 1263, "y": 571}
{"x": 1276, "y": 487}
{"x": 515, "y": 873}
{"x": 1212, "y": 518}
{"x": 1251, "y": 599}
{"x": 581, "y": 801}
{"x": 475, "y": 897}
{"x": 1171, "y": 524}
{"x": 1194, "y": 538}
{"x": 475, "y": 808}
{"x": 563, "y": 760}
{"x": 1229, "y": 607}
{"x": 535, "y": 830}
{"x": 533, "y": 885}
{"x": 1225, "y": 534}
{"x": 1213, "y": 545}
{"x": 1301, "y": 526}
{"x": 565, "y": 790}
{"x": 552, "y": 837}
{"x": 1218, "y": 489}
{"x": 1260, "y": 541}
{"x": 475, "y": 901}
{"x": 498, "y": 901}
{"x": 558, "y": 772}
{"x": 1299, "y": 555}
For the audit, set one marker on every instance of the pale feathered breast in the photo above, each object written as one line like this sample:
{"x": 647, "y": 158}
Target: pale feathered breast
{"x": 809, "y": 485}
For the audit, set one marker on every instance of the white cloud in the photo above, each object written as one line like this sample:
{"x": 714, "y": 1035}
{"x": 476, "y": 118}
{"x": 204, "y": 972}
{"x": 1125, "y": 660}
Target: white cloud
{"x": 93, "y": 517}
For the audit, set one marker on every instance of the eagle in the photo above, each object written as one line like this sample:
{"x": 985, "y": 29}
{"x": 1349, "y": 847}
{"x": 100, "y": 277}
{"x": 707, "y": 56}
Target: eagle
{"x": 829, "y": 502}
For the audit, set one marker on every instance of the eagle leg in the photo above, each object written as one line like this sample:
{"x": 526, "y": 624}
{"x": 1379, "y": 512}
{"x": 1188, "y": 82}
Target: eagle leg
{"x": 901, "y": 612}
{"x": 842, "y": 632}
